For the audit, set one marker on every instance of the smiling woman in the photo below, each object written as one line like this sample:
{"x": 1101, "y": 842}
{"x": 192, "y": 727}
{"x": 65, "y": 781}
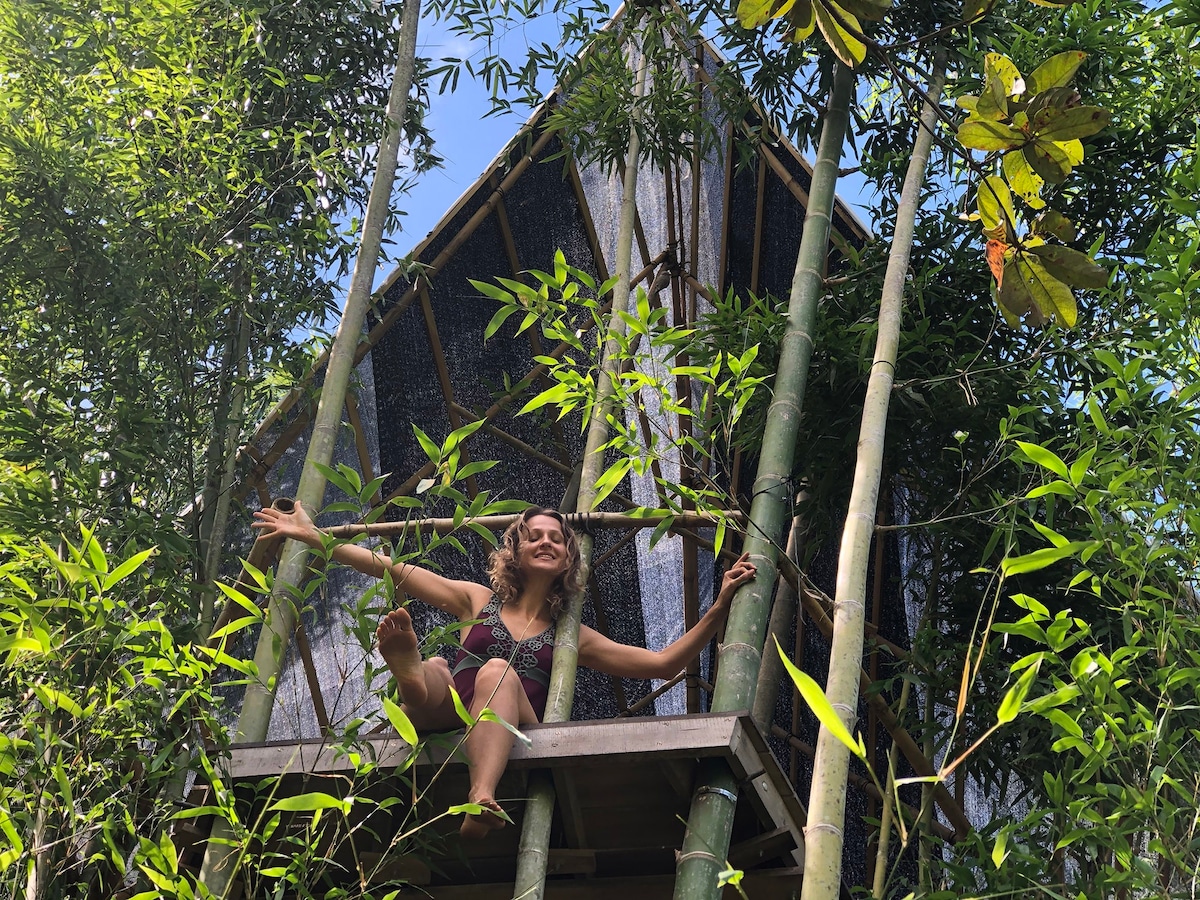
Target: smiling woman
{"x": 505, "y": 660}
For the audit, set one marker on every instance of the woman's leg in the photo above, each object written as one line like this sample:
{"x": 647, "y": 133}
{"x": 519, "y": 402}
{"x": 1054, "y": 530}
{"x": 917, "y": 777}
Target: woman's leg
{"x": 488, "y": 744}
{"x": 423, "y": 685}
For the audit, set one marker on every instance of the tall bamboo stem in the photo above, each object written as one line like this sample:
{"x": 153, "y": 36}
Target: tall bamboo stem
{"x": 827, "y": 798}
{"x": 220, "y": 860}
{"x": 539, "y": 809}
{"x": 711, "y": 820}
{"x": 219, "y": 523}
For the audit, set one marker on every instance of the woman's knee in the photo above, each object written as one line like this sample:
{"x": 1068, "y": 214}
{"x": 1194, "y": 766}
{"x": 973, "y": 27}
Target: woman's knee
{"x": 491, "y": 675}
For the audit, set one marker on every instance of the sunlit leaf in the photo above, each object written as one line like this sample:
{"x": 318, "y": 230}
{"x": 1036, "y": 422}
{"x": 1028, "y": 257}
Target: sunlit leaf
{"x": 1055, "y": 223}
{"x": 1053, "y": 123}
{"x": 310, "y": 803}
{"x": 400, "y": 721}
{"x": 1011, "y": 704}
{"x": 1055, "y": 72}
{"x": 982, "y": 134}
{"x": 845, "y": 45}
{"x": 1023, "y": 180}
{"x": 994, "y": 202}
{"x": 812, "y": 695}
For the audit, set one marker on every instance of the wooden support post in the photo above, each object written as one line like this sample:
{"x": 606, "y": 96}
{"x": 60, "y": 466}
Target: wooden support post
{"x": 360, "y": 443}
{"x": 760, "y": 202}
{"x": 447, "y": 384}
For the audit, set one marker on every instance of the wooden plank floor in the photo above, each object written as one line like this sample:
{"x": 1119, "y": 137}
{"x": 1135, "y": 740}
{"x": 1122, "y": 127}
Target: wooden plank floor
{"x": 623, "y": 791}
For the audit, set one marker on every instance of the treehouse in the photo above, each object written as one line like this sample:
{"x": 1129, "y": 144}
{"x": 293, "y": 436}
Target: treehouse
{"x": 623, "y": 771}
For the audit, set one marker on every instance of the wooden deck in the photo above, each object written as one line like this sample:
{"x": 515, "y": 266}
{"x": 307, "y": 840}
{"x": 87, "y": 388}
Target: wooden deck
{"x": 624, "y": 788}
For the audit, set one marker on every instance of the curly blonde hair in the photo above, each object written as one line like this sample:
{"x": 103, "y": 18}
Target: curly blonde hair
{"x": 505, "y": 573}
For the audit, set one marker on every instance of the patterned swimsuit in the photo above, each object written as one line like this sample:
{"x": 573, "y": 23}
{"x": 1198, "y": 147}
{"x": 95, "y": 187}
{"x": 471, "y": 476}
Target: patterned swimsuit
{"x": 491, "y": 639}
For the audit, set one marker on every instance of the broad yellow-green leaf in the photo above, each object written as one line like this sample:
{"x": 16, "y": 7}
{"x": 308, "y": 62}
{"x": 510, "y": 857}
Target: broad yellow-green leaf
{"x": 1013, "y": 296}
{"x": 1051, "y": 296}
{"x": 995, "y": 205}
{"x": 802, "y": 21}
{"x": 969, "y": 102}
{"x": 845, "y": 46}
{"x": 870, "y": 10}
{"x": 1054, "y": 123}
{"x": 1001, "y": 80}
{"x": 812, "y": 694}
{"x": 752, "y": 13}
{"x": 1023, "y": 180}
{"x": 1055, "y": 223}
{"x": 1055, "y": 72}
{"x": 1071, "y": 266}
{"x": 982, "y": 134}
{"x": 1049, "y": 160}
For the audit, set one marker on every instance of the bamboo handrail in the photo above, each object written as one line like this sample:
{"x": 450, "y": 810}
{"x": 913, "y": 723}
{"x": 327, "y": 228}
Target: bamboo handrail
{"x": 581, "y": 521}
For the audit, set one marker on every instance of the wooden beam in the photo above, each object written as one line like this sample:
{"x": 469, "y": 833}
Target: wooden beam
{"x": 589, "y": 225}
{"x": 624, "y": 741}
{"x": 531, "y": 452}
{"x": 767, "y": 884}
{"x": 572, "y": 817}
{"x": 723, "y": 263}
{"x": 763, "y": 848}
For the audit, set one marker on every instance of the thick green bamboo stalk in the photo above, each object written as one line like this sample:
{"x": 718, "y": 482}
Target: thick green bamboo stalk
{"x": 220, "y": 861}
{"x": 532, "y": 856}
{"x": 711, "y": 820}
{"x": 783, "y": 611}
{"x": 827, "y": 797}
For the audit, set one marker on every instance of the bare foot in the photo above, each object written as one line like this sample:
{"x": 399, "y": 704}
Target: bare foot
{"x": 398, "y": 646}
{"x": 474, "y": 828}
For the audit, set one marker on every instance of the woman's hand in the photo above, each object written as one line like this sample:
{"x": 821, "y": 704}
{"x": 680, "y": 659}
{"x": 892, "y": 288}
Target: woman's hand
{"x": 296, "y": 524}
{"x": 736, "y": 575}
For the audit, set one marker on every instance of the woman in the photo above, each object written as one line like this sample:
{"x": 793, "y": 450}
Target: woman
{"x": 505, "y": 660}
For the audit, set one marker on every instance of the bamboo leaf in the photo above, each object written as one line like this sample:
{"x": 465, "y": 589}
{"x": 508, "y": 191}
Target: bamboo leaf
{"x": 432, "y": 450}
{"x": 812, "y": 694}
{"x": 501, "y": 316}
{"x": 400, "y": 721}
{"x": 489, "y": 715}
{"x": 1040, "y": 559}
{"x": 310, "y": 802}
{"x": 1011, "y": 704}
{"x": 127, "y": 568}
{"x": 1047, "y": 459}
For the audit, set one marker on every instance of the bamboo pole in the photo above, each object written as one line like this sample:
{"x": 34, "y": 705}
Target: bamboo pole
{"x": 783, "y": 612}
{"x": 827, "y": 797}
{"x": 221, "y": 859}
{"x": 711, "y": 820}
{"x": 224, "y": 497}
{"x": 532, "y": 855}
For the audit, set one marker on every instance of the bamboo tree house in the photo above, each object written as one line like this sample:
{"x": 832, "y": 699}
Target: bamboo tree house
{"x": 624, "y": 767}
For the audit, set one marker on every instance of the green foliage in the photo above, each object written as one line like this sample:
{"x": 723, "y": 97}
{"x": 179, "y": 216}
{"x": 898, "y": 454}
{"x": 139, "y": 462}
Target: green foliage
{"x": 1036, "y": 125}
{"x": 722, "y": 383}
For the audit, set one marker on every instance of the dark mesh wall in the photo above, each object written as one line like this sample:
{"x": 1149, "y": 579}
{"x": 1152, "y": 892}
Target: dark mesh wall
{"x": 543, "y": 215}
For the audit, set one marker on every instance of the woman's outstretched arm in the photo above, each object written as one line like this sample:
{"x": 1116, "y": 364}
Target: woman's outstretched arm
{"x": 605, "y": 655}
{"x": 461, "y": 599}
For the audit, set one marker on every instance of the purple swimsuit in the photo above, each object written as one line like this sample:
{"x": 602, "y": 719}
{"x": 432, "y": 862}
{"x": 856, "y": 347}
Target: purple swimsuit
{"x": 490, "y": 639}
